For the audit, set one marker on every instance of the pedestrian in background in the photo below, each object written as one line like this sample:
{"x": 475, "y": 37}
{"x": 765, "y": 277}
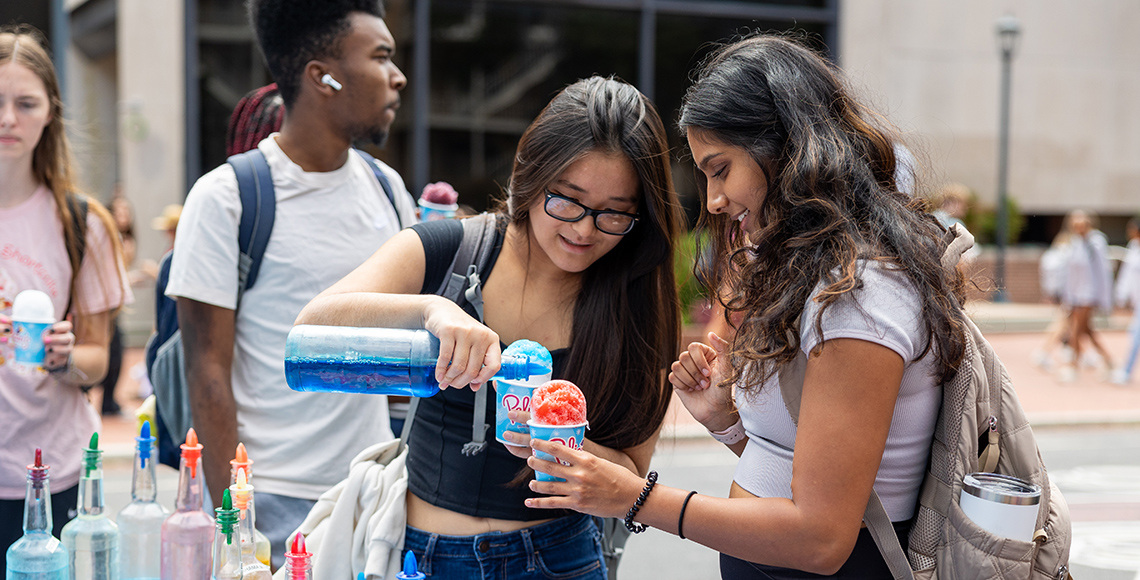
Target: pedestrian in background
{"x": 1087, "y": 288}
{"x": 332, "y": 63}
{"x": 47, "y": 407}
{"x": 1128, "y": 295}
{"x": 257, "y": 115}
{"x": 123, "y": 215}
{"x": 827, "y": 260}
{"x": 1051, "y": 275}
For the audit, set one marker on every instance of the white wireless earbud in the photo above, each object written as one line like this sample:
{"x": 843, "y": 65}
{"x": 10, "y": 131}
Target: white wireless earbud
{"x": 330, "y": 81}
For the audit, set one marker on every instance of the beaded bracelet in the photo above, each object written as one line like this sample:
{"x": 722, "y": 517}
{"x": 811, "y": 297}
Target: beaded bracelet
{"x": 629, "y": 523}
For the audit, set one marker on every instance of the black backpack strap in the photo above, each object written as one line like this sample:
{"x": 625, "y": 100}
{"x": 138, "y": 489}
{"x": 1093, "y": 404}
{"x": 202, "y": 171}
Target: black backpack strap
{"x": 384, "y": 184}
{"x": 255, "y": 187}
{"x": 77, "y": 205}
{"x": 463, "y": 283}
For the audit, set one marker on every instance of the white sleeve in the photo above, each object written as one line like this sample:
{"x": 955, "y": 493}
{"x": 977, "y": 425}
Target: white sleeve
{"x": 885, "y": 311}
{"x": 205, "y": 262}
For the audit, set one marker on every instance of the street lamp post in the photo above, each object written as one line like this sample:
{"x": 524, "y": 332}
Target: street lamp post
{"x": 1008, "y": 28}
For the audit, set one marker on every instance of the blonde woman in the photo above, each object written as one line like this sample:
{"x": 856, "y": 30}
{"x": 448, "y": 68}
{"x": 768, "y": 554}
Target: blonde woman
{"x": 40, "y": 248}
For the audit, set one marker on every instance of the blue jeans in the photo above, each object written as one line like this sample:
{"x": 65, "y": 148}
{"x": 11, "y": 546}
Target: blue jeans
{"x": 1134, "y": 332}
{"x": 566, "y": 548}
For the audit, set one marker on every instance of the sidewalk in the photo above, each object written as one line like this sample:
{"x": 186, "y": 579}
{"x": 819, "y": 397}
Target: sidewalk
{"x": 1014, "y": 330}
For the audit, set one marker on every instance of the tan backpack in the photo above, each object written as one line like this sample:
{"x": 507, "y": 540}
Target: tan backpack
{"x": 978, "y": 404}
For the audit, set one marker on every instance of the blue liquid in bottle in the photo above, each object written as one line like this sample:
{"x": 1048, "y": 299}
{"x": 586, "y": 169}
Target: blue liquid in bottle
{"x": 379, "y": 361}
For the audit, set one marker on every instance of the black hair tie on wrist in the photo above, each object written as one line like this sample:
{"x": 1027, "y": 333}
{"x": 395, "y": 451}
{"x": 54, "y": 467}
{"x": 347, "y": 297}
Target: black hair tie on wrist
{"x": 681, "y": 518}
{"x": 629, "y": 523}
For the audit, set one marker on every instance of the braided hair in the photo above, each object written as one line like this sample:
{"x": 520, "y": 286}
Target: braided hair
{"x": 259, "y": 113}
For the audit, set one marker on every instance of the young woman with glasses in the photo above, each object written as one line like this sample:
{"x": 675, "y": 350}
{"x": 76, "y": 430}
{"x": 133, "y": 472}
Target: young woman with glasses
{"x": 582, "y": 265}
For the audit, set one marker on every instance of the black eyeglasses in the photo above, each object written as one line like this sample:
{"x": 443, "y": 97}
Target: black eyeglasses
{"x": 562, "y": 208}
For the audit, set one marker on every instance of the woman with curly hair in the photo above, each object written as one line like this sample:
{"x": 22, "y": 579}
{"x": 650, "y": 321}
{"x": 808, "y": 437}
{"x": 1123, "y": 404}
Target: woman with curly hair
{"x": 823, "y": 258}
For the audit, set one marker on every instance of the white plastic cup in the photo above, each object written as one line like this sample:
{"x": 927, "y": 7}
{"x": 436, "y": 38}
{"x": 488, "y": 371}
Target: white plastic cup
{"x": 1001, "y": 504}
{"x": 568, "y": 435}
{"x": 32, "y": 315}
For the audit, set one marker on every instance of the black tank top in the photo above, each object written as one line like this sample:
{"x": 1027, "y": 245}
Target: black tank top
{"x": 438, "y": 472}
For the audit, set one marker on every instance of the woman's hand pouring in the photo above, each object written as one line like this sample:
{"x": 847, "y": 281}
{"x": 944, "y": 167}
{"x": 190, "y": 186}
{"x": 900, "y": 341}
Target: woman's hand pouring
{"x": 468, "y": 351}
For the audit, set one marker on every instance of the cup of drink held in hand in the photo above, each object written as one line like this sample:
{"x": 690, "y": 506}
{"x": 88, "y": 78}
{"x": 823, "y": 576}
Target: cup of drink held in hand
{"x": 515, "y": 395}
{"x": 1001, "y": 504}
{"x": 558, "y": 414}
{"x": 32, "y": 315}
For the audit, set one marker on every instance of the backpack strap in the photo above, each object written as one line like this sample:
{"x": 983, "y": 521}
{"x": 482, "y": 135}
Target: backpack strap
{"x": 384, "y": 183}
{"x": 412, "y": 406}
{"x": 77, "y": 205}
{"x": 258, "y": 210}
{"x": 463, "y": 283}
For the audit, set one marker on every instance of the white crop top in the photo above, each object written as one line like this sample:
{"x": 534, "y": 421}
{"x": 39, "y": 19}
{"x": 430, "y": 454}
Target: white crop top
{"x": 886, "y": 311}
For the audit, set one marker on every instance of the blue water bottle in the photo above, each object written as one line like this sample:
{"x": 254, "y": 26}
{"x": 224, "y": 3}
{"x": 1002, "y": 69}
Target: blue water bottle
{"x": 378, "y": 361}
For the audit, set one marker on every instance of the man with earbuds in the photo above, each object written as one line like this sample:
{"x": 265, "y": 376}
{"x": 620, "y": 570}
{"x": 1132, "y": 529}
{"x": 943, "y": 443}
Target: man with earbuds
{"x": 332, "y": 61}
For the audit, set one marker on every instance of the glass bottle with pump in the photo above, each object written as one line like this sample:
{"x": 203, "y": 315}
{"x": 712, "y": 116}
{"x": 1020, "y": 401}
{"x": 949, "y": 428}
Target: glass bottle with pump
{"x": 92, "y": 539}
{"x": 227, "y": 542}
{"x": 188, "y": 534}
{"x": 37, "y": 555}
{"x": 242, "y": 462}
{"x": 242, "y": 493}
{"x": 140, "y": 522}
{"x": 298, "y": 560}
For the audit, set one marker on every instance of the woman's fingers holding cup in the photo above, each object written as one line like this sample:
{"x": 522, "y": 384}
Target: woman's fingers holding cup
{"x": 519, "y": 444}
{"x": 519, "y": 416}
{"x": 58, "y": 339}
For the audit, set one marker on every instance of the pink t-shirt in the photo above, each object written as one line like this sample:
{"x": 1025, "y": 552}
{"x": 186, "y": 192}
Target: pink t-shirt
{"x": 36, "y": 410}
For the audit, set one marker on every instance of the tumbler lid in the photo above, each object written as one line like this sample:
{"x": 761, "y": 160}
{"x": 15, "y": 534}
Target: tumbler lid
{"x": 1000, "y": 488}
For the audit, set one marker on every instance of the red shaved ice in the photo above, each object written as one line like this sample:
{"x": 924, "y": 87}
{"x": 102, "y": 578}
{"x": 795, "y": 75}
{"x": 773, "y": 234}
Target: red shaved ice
{"x": 558, "y": 403}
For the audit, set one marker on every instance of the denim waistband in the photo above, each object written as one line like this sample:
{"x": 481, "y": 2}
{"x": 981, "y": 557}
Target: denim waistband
{"x": 492, "y": 545}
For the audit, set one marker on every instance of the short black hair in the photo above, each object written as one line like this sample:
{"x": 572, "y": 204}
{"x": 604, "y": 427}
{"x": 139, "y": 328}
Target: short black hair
{"x": 293, "y": 32}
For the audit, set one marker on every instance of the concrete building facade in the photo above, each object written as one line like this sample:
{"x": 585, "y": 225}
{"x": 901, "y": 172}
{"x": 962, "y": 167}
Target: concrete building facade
{"x": 149, "y": 88}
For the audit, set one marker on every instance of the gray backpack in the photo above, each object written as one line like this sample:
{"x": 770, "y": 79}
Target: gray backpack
{"x": 978, "y": 404}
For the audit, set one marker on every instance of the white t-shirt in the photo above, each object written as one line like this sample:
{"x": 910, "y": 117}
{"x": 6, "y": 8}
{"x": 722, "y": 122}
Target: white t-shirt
{"x": 326, "y": 224}
{"x": 885, "y": 311}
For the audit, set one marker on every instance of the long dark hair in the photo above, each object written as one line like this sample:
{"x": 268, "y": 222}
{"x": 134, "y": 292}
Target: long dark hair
{"x": 626, "y": 327}
{"x": 832, "y": 201}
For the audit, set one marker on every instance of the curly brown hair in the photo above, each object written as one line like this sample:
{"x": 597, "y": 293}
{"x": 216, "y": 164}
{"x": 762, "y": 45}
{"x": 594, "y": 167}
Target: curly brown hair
{"x": 832, "y": 203}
